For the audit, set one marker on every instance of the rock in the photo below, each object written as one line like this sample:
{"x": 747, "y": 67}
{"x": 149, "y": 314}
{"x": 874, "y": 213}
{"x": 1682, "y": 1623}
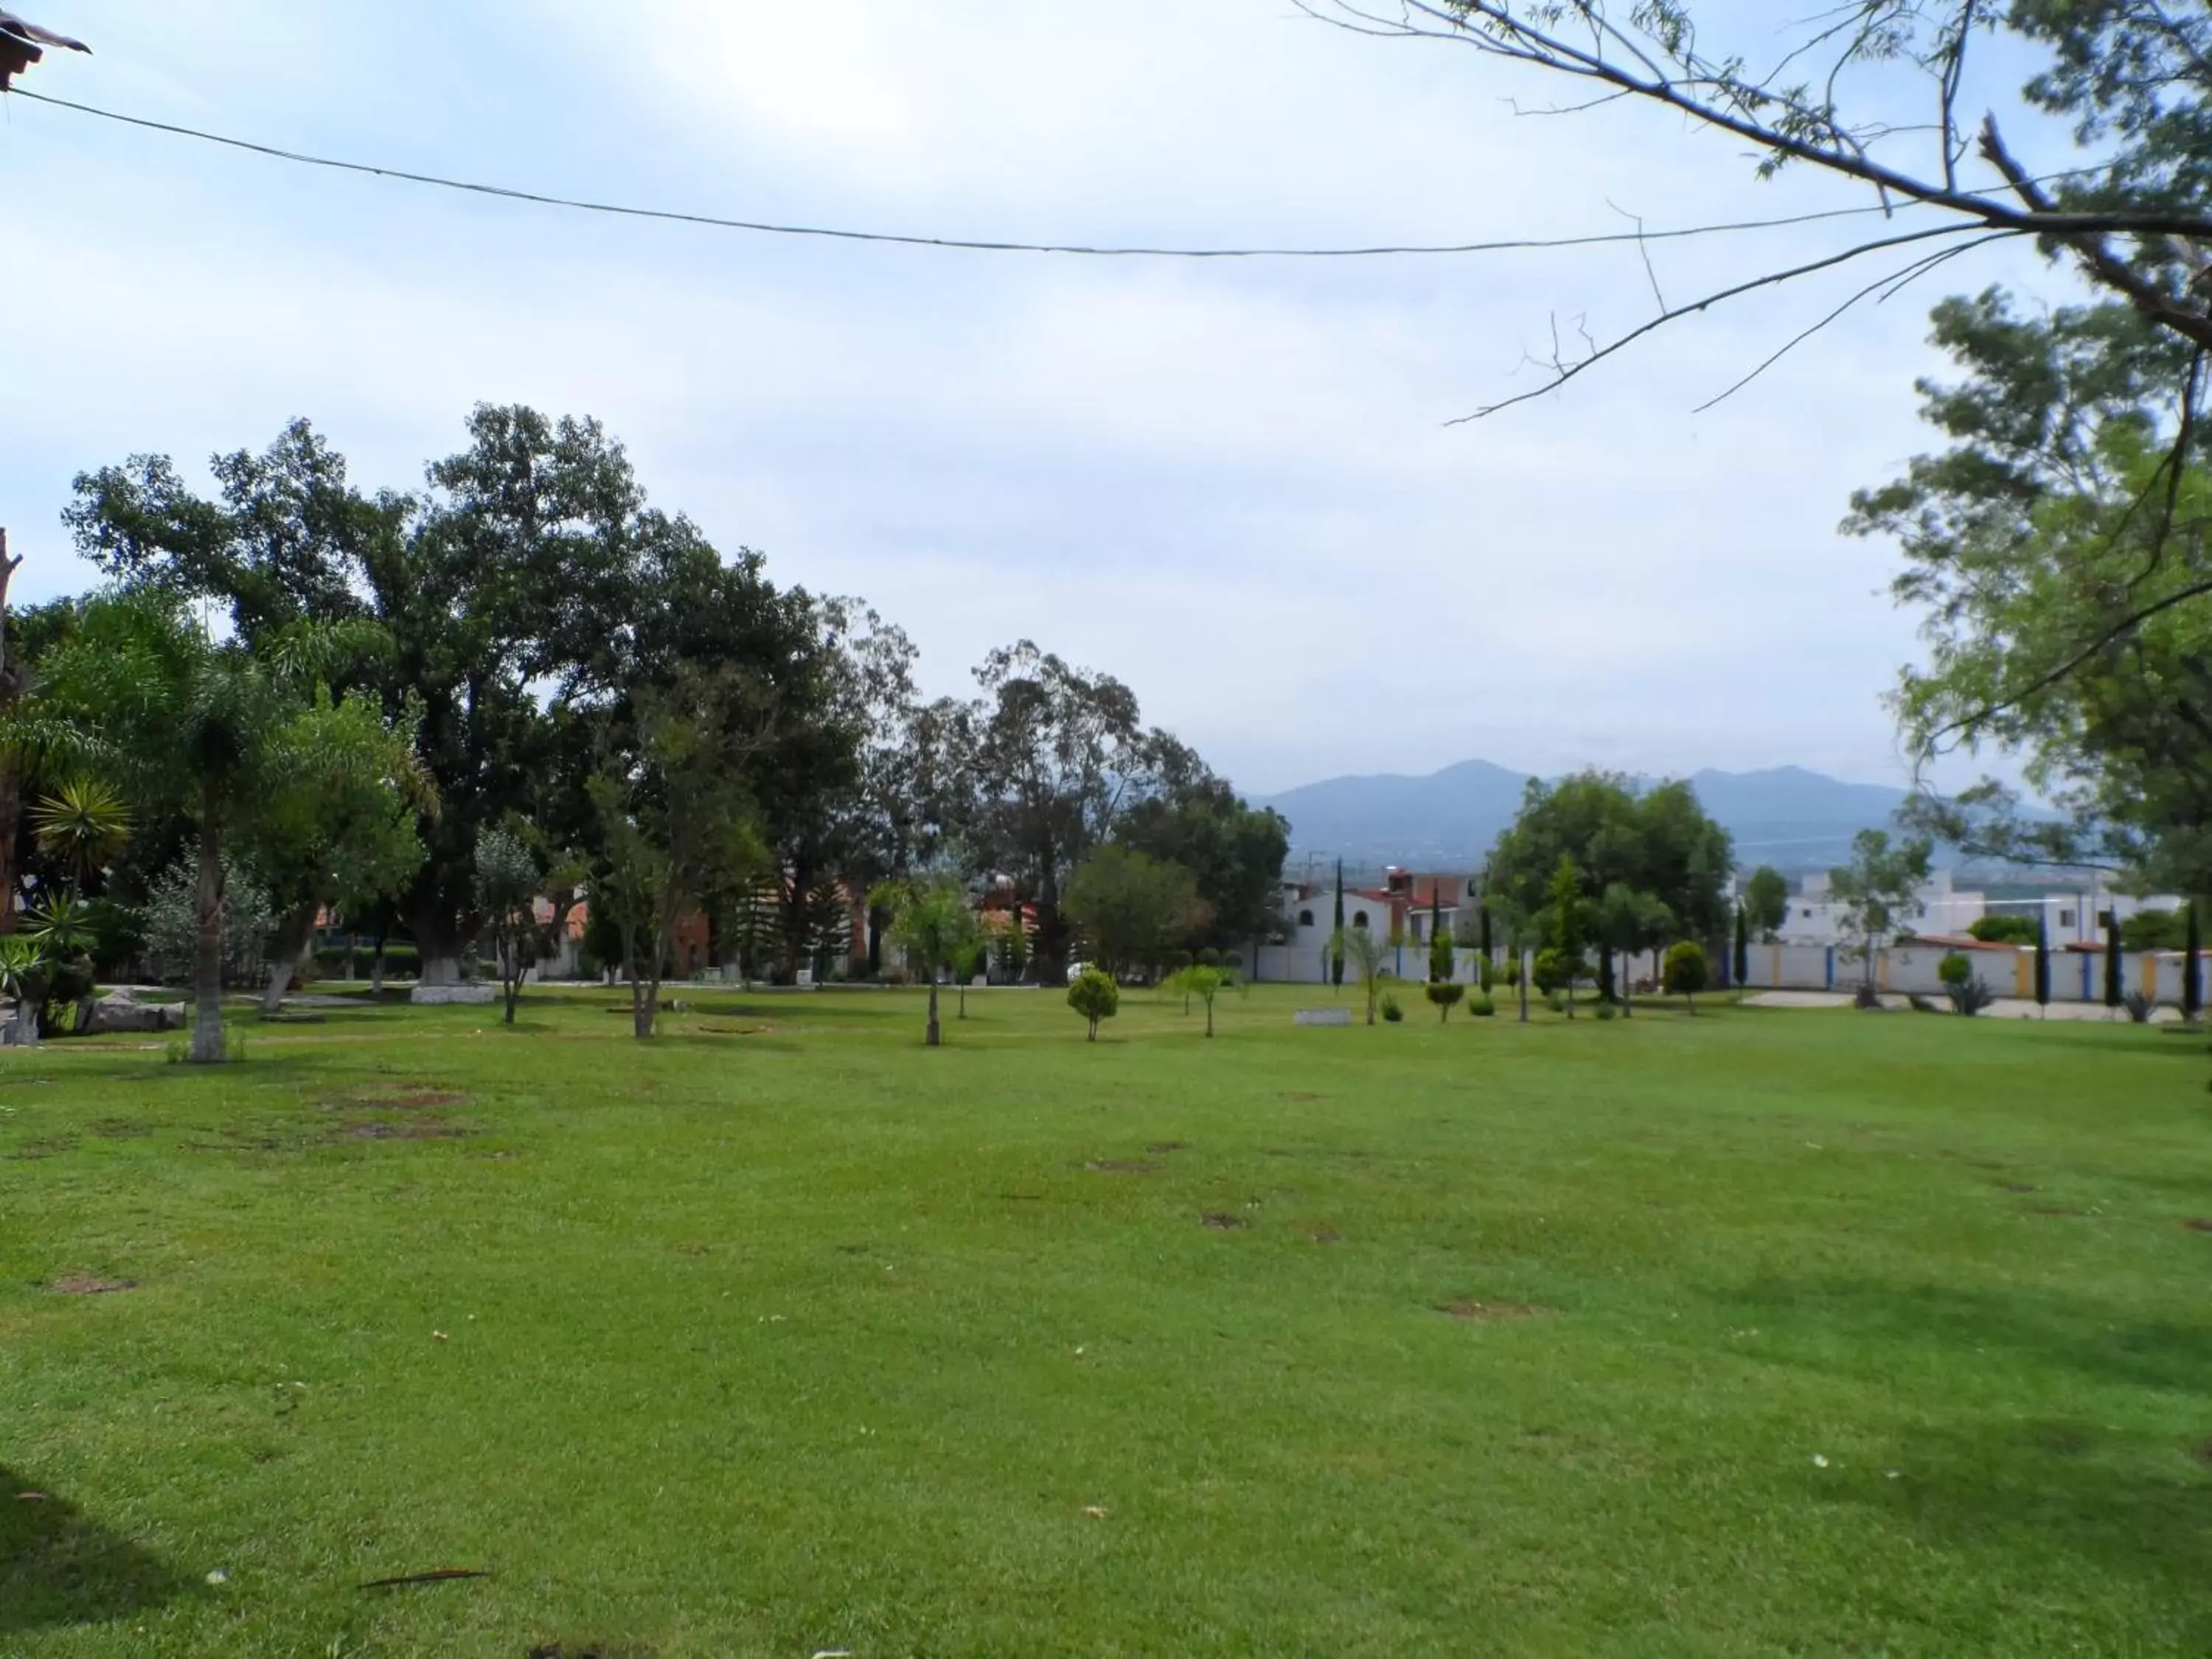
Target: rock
{"x": 442, "y": 996}
{"x": 124, "y": 1013}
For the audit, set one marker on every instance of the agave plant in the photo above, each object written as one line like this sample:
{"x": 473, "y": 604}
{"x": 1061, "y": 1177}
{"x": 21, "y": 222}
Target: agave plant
{"x": 81, "y": 826}
{"x": 62, "y": 928}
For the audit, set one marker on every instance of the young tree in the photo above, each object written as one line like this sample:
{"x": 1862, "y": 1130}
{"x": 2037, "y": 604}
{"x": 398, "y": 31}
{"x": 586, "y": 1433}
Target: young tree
{"x": 1204, "y": 982}
{"x": 1443, "y": 961}
{"x": 1132, "y": 909}
{"x": 1876, "y": 890}
{"x": 1370, "y": 962}
{"x": 932, "y": 924}
{"x": 1766, "y": 902}
{"x": 227, "y": 736}
{"x": 968, "y": 962}
{"x": 1446, "y": 995}
{"x": 1096, "y": 997}
{"x": 674, "y": 822}
{"x": 507, "y": 884}
{"x": 1631, "y": 923}
{"x": 1686, "y": 973}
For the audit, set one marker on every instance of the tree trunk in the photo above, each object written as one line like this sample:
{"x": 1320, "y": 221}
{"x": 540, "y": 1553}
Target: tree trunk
{"x": 208, "y": 1047}
{"x": 1209, "y": 1016}
{"x": 1628, "y": 985}
{"x": 510, "y": 971}
{"x": 936, "y": 1037}
{"x": 376, "y": 969}
{"x": 11, "y": 821}
{"x": 293, "y": 939}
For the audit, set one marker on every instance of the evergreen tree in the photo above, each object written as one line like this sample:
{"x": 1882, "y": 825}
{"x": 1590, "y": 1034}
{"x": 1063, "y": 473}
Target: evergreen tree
{"x": 2116, "y": 986}
{"x": 1442, "y": 963}
{"x": 1740, "y": 965}
{"x": 1336, "y": 938}
{"x": 2043, "y": 962}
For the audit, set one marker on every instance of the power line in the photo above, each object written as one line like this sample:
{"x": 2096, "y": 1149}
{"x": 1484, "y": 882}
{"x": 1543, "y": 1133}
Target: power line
{"x": 950, "y": 243}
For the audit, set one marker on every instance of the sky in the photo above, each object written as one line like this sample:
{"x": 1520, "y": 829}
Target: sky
{"x": 1231, "y": 485}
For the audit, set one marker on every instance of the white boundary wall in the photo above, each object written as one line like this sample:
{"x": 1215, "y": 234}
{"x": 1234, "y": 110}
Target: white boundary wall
{"x": 2075, "y": 975}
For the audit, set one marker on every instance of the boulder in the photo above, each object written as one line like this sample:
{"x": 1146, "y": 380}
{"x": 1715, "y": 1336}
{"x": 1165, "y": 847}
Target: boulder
{"x": 123, "y": 1013}
{"x": 442, "y": 996}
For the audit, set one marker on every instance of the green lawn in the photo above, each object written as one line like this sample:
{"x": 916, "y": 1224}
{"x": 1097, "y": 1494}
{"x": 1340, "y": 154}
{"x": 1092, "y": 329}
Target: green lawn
{"x": 1776, "y": 1333}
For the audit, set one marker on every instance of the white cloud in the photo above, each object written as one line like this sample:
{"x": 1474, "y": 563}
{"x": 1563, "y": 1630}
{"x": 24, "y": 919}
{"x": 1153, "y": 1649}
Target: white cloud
{"x": 1230, "y": 484}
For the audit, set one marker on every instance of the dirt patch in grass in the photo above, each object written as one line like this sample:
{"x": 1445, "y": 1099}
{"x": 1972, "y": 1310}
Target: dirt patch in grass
{"x": 1165, "y": 1146}
{"x": 1326, "y": 1236}
{"x": 1119, "y": 1166}
{"x": 88, "y": 1285}
{"x": 423, "y": 1129}
{"x": 1489, "y": 1313}
{"x": 34, "y": 1151}
{"x": 121, "y": 1128}
{"x": 399, "y": 1097}
{"x": 1222, "y": 1222}
{"x": 2054, "y": 1209}
{"x": 2198, "y": 1224}
{"x": 1300, "y": 1098}
{"x": 587, "y": 1650}
{"x": 2017, "y": 1186}
{"x": 2202, "y": 1451}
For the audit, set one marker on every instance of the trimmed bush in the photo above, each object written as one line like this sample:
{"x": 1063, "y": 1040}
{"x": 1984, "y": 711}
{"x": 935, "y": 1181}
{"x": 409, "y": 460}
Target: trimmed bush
{"x": 1393, "y": 1010}
{"x": 1685, "y": 973}
{"x": 1445, "y": 997}
{"x": 1481, "y": 1005}
{"x": 1096, "y": 997}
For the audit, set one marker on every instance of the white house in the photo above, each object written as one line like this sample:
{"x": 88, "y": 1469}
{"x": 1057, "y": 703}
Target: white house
{"x": 1941, "y": 910}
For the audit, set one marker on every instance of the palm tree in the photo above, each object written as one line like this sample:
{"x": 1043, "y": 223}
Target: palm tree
{"x": 220, "y": 733}
{"x": 934, "y": 926}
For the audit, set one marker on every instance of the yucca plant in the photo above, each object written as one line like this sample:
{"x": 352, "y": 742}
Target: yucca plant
{"x": 81, "y": 826}
{"x": 25, "y": 971}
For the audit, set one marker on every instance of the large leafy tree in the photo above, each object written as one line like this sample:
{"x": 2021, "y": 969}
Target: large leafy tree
{"x": 240, "y": 738}
{"x": 1132, "y": 909}
{"x": 1047, "y": 759}
{"x": 1658, "y": 844}
{"x": 1235, "y": 852}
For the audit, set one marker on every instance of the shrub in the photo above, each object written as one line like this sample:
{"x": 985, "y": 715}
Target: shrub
{"x": 1607, "y": 1010}
{"x": 1486, "y": 972}
{"x": 2005, "y": 930}
{"x": 1393, "y": 1010}
{"x": 2141, "y": 1006}
{"x": 1555, "y": 970}
{"x": 1095, "y": 996}
{"x": 1481, "y": 1005}
{"x": 1866, "y": 997}
{"x": 1955, "y": 971}
{"x": 1686, "y": 972}
{"x": 1920, "y": 1004}
{"x": 1446, "y": 996}
{"x": 1556, "y": 1001}
{"x": 1971, "y": 998}
{"x": 1509, "y": 976}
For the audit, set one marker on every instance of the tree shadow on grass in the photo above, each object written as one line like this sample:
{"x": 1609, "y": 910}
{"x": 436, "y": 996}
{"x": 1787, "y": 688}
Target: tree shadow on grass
{"x": 2038, "y": 1329}
{"x": 2013, "y": 1492}
{"x": 57, "y": 1568}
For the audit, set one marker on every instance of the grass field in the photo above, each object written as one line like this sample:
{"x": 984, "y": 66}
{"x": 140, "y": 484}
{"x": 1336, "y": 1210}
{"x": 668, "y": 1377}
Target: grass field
{"x": 1756, "y": 1334}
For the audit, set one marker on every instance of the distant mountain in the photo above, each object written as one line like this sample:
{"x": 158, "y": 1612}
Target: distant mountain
{"x": 1789, "y": 818}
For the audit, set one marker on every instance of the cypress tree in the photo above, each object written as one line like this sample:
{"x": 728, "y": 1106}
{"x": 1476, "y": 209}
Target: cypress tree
{"x": 1441, "y": 960}
{"x": 2192, "y": 971}
{"x": 1742, "y": 963}
{"x": 2115, "y": 978}
{"x": 2043, "y": 962}
{"x": 1336, "y": 940}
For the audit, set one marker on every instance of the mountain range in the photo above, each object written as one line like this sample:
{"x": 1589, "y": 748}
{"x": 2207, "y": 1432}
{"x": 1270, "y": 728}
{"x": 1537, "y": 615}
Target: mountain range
{"x": 1789, "y": 818}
